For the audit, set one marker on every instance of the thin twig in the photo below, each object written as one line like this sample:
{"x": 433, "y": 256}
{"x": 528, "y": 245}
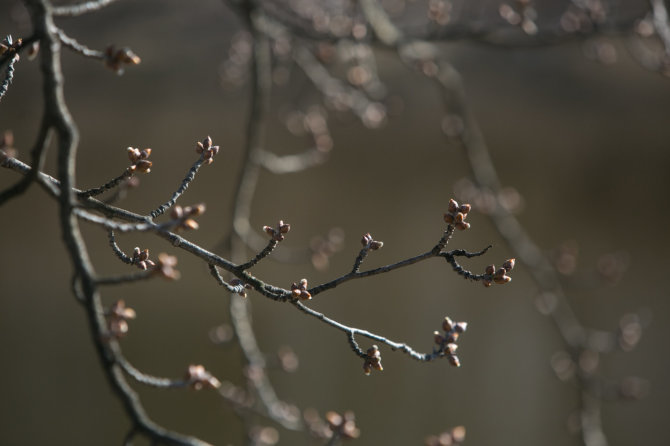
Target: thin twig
{"x": 81, "y": 8}
{"x": 182, "y": 188}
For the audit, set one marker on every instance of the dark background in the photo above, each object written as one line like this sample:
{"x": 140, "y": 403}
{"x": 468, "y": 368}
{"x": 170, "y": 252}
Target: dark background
{"x": 584, "y": 143}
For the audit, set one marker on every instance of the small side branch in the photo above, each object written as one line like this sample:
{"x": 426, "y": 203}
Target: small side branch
{"x": 9, "y": 76}
{"x": 107, "y": 186}
{"x": 352, "y": 332}
{"x": 184, "y": 185}
{"x": 77, "y": 47}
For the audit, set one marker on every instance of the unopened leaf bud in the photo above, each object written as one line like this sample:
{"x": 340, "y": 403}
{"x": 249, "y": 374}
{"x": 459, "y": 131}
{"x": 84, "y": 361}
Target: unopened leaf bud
{"x": 453, "y": 360}
{"x": 143, "y": 166}
{"x": 305, "y": 295}
{"x": 177, "y": 212}
{"x": 460, "y": 327}
{"x": 502, "y": 280}
{"x": 189, "y": 223}
{"x": 453, "y": 205}
{"x": 207, "y": 142}
{"x": 284, "y": 227}
{"x": 439, "y": 339}
{"x": 491, "y": 269}
{"x": 465, "y": 208}
{"x": 509, "y": 264}
{"x": 376, "y": 244}
{"x": 447, "y": 324}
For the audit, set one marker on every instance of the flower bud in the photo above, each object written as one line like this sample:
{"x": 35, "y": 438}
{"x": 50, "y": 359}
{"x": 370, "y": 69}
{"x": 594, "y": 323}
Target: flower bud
{"x": 447, "y": 324}
{"x": 375, "y": 244}
{"x": 460, "y": 327}
{"x": 453, "y": 205}
{"x": 509, "y": 264}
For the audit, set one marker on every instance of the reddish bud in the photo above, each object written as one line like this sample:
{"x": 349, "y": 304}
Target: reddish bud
{"x": 447, "y": 324}
{"x": 509, "y": 264}
{"x": 453, "y": 205}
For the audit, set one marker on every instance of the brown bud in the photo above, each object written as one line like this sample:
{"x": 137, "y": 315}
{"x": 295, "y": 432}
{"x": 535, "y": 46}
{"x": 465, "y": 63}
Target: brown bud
{"x": 296, "y": 293}
{"x": 439, "y": 339}
{"x": 189, "y": 223}
{"x": 305, "y": 295}
{"x": 268, "y": 230}
{"x": 460, "y": 327}
{"x": 447, "y": 324}
{"x": 509, "y": 264}
{"x": 453, "y": 360}
{"x": 451, "y": 348}
{"x": 487, "y": 283}
{"x": 367, "y": 238}
{"x": 448, "y": 218}
{"x": 284, "y": 227}
{"x": 502, "y": 279}
{"x": 144, "y": 255}
{"x": 500, "y": 272}
{"x": 458, "y": 218}
{"x": 196, "y": 210}
{"x": 143, "y": 166}
{"x": 375, "y": 244}
{"x": 463, "y": 225}
{"x": 303, "y": 284}
{"x": 177, "y": 212}
{"x": 465, "y": 208}
{"x": 453, "y": 205}
{"x": 207, "y": 142}
{"x": 199, "y": 148}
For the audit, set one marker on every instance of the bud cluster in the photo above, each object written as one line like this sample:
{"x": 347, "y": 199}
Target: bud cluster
{"x": 199, "y": 378}
{"x": 446, "y": 341}
{"x": 207, "y": 150}
{"x": 370, "y": 243}
{"x": 343, "y": 426}
{"x": 166, "y": 266}
{"x": 456, "y": 215}
{"x": 373, "y": 360}
{"x": 449, "y": 438}
{"x": 183, "y": 215}
{"x": 299, "y": 290}
{"x": 278, "y": 231}
{"x": 139, "y": 160}
{"x": 141, "y": 259}
{"x": 115, "y": 59}
{"x": 499, "y": 275}
{"x": 117, "y": 318}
